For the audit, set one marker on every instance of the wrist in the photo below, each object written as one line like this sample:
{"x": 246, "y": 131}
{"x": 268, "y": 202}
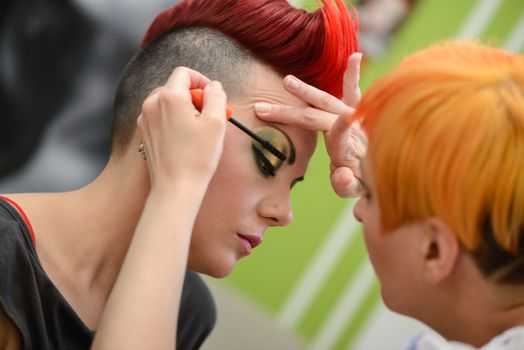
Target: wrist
{"x": 184, "y": 188}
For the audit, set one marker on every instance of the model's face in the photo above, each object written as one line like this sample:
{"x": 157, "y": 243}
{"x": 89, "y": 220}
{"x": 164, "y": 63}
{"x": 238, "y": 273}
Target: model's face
{"x": 392, "y": 254}
{"x": 250, "y": 190}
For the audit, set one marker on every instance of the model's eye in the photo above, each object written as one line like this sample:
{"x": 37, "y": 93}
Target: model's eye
{"x": 267, "y": 163}
{"x": 263, "y": 164}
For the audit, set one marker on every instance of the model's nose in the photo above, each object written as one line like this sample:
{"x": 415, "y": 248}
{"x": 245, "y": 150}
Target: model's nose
{"x": 277, "y": 210}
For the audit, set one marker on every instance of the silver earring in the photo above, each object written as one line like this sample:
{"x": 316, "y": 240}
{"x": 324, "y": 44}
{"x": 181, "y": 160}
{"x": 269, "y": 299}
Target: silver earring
{"x": 142, "y": 150}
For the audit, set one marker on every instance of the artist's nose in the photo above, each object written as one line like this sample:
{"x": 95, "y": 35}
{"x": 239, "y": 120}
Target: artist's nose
{"x": 357, "y": 210}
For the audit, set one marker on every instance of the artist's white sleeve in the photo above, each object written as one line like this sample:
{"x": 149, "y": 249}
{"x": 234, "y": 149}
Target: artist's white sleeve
{"x": 512, "y": 339}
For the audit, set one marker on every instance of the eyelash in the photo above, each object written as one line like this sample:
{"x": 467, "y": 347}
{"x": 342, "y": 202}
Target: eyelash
{"x": 263, "y": 164}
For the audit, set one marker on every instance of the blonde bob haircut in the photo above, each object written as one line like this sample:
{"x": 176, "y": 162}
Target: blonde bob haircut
{"x": 446, "y": 139}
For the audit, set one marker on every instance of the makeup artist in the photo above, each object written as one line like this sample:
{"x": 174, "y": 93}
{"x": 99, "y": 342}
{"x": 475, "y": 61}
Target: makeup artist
{"x": 443, "y": 198}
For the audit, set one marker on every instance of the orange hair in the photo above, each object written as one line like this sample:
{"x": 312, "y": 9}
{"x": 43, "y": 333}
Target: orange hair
{"x": 446, "y": 139}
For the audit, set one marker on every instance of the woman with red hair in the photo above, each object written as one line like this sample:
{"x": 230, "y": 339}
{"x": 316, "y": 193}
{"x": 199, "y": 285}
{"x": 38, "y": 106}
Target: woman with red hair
{"x": 181, "y": 188}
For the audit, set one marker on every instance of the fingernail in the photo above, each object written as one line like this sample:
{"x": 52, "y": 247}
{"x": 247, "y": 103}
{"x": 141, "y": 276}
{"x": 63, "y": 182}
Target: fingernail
{"x": 292, "y": 82}
{"x": 216, "y": 85}
{"x": 262, "y": 108}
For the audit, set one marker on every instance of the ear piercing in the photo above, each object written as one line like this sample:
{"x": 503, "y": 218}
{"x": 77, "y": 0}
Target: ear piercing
{"x": 142, "y": 150}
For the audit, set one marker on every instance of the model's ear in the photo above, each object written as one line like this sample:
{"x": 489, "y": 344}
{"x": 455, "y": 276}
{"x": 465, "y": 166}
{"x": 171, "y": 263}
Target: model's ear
{"x": 441, "y": 250}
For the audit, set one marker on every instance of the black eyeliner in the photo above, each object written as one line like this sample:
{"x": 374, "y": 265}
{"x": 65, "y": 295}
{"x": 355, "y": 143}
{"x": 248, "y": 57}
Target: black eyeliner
{"x": 261, "y": 157}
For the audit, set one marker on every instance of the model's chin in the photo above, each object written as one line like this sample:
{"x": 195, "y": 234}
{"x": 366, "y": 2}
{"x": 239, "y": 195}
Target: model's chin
{"x": 219, "y": 273}
{"x": 216, "y": 269}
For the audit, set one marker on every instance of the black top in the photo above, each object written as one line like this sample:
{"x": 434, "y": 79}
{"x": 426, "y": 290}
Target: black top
{"x": 43, "y": 316}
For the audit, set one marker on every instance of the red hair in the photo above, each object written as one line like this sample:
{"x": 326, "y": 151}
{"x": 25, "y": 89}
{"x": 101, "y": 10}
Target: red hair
{"x": 314, "y": 47}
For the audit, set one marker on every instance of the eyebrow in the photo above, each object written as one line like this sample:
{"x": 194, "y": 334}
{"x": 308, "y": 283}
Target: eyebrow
{"x": 292, "y": 155}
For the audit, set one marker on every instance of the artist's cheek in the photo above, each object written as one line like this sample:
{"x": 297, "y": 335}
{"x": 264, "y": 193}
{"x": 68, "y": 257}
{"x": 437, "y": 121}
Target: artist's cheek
{"x": 373, "y": 239}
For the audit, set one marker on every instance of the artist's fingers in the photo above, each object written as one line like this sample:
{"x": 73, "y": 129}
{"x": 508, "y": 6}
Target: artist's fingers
{"x": 344, "y": 183}
{"x": 214, "y": 102}
{"x": 183, "y": 79}
{"x": 351, "y": 88}
{"x": 162, "y": 102}
{"x": 313, "y": 96}
{"x": 342, "y": 126}
{"x": 304, "y": 117}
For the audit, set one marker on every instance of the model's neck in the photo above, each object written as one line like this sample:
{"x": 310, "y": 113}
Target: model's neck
{"x": 109, "y": 208}
{"x": 84, "y": 235}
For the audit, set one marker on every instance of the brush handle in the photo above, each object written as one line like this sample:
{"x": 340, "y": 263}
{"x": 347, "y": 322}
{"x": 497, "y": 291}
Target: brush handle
{"x": 197, "y": 97}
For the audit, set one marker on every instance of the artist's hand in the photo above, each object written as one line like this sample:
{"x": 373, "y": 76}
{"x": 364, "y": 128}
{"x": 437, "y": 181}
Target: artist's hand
{"x": 346, "y": 142}
{"x": 180, "y": 142}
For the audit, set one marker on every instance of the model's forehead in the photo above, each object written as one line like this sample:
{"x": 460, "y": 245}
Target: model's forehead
{"x": 265, "y": 85}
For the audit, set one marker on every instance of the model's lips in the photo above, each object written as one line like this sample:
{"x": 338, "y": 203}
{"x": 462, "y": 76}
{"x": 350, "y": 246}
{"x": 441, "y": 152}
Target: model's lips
{"x": 253, "y": 240}
{"x": 249, "y": 242}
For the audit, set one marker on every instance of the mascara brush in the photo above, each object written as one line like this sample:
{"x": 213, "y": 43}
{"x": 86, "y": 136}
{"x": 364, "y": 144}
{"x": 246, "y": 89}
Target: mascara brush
{"x": 197, "y": 94}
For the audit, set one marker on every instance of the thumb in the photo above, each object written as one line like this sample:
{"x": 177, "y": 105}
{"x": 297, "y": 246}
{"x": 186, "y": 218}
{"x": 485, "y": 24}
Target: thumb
{"x": 341, "y": 126}
{"x": 344, "y": 183}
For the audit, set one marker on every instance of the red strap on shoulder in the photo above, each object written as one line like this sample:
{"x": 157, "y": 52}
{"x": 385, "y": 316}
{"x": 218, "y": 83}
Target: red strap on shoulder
{"x": 22, "y": 213}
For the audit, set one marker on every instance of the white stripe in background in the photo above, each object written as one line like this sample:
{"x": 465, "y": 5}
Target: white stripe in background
{"x": 478, "y": 19}
{"x": 344, "y": 310}
{"x": 315, "y": 275}
{"x": 515, "y": 42}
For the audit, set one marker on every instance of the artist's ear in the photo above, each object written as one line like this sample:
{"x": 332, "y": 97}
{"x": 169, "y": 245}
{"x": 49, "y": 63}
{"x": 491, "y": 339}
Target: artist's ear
{"x": 441, "y": 251}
